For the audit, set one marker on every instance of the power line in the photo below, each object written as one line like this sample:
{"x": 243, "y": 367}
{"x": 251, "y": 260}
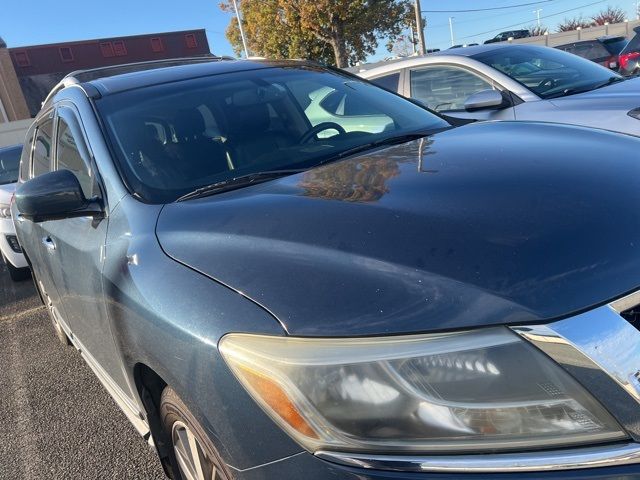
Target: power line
{"x": 545, "y": 16}
{"x": 487, "y": 9}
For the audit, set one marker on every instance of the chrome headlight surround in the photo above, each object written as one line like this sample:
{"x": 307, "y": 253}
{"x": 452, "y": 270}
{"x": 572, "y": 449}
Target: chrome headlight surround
{"x": 474, "y": 391}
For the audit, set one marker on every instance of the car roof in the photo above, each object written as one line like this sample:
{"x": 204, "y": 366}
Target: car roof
{"x": 118, "y": 78}
{"x": 456, "y": 52}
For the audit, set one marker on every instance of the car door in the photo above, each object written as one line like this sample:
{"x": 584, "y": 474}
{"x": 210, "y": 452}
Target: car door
{"x": 77, "y": 252}
{"x": 445, "y": 88}
{"x": 37, "y": 160}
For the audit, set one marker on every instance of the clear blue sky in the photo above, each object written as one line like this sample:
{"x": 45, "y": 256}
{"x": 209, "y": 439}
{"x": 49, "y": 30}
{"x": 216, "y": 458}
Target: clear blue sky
{"x": 29, "y": 22}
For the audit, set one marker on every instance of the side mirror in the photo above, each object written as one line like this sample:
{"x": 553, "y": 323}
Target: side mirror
{"x": 485, "y": 100}
{"x": 54, "y": 196}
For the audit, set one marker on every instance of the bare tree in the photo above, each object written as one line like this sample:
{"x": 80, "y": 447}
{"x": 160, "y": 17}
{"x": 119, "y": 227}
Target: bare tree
{"x": 610, "y": 15}
{"x": 537, "y": 30}
{"x": 570, "y": 24}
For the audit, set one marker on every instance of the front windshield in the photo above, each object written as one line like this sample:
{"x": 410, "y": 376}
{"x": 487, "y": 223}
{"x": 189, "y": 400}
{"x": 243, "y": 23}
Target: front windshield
{"x": 9, "y": 164}
{"x": 171, "y": 139}
{"x": 547, "y": 72}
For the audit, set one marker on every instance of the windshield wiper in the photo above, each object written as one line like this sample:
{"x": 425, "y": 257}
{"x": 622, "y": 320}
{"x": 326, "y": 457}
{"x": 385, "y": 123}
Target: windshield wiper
{"x": 573, "y": 91}
{"x": 393, "y": 140}
{"x": 238, "y": 182}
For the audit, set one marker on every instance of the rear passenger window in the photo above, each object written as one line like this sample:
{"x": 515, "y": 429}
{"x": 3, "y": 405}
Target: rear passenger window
{"x": 390, "y": 82}
{"x": 72, "y": 155}
{"x": 41, "y": 159}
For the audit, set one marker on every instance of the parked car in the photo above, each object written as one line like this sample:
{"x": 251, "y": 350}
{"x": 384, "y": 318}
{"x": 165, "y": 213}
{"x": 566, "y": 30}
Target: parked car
{"x": 630, "y": 57}
{"x": 515, "y": 82}
{"x": 270, "y": 303}
{"x": 10, "y": 250}
{"x": 504, "y": 36}
{"x": 603, "y": 50}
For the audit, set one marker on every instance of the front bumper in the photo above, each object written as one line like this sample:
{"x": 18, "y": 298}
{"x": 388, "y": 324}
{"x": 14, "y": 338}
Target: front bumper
{"x": 309, "y": 467}
{"x": 16, "y": 259}
{"x": 600, "y": 348}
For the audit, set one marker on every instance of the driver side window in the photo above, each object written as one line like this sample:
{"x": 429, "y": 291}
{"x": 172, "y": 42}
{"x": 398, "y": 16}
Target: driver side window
{"x": 444, "y": 88}
{"x": 72, "y": 154}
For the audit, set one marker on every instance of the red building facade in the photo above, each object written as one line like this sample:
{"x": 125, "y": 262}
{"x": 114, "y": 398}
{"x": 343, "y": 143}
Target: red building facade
{"x": 40, "y": 67}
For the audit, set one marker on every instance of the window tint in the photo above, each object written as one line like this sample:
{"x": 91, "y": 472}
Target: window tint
{"x": 390, "y": 82}
{"x": 9, "y": 164}
{"x": 41, "y": 160}
{"x": 633, "y": 45}
{"x": 615, "y": 45}
{"x": 547, "y": 72}
{"x": 71, "y": 154}
{"x": 591, "y": 50}
{"x": 445, "y": 88}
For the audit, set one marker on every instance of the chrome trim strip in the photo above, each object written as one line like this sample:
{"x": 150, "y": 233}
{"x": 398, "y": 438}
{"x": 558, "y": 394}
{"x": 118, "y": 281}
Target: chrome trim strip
{"x": 591, "y": 457}
{"x": 625, "y": 303}
{"x": 118, "y": 395}
{"x": 599, "y": 339}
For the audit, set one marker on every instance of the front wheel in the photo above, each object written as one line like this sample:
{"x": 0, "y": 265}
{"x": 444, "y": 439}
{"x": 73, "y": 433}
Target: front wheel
{"x": 195, "y": 455}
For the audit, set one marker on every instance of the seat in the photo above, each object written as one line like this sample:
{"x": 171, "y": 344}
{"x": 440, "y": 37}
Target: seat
{"x": 196, "y": 154}
{"x": 250, "y": 134}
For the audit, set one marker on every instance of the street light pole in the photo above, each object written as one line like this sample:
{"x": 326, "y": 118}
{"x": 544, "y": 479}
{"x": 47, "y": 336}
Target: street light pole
{"x": 451, "y": 30}
{"x": 537, "y": 12}
{"x": 244, "y": 40}
{"x": 419, "y": 30}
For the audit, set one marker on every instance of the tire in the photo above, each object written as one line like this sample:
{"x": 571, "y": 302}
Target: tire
{"x": 16, "y": 274}
{"x": 182, "y": 430}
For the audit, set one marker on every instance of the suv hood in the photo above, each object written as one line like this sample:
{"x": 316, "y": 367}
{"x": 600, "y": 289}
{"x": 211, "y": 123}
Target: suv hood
{"x": 626, "y": 93}
{"x": 484, "y": 224}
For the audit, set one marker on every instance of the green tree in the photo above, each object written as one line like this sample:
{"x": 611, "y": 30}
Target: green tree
{"x": 335, "y": 31}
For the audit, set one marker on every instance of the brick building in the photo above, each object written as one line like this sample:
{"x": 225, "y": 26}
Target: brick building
{"x": 40, "y": 67}
{"x": 12, "y": 103}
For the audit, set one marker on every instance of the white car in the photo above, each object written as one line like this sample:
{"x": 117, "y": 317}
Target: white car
{"x": 515, "y": 82}
{"x": 331, "y": 106}
{"x": 10, "y": 249}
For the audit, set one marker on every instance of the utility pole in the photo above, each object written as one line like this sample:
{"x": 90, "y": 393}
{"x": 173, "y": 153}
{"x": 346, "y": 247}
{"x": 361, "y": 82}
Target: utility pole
{"x": 537, "y": 12}
{"x": 420, "y": 31}
{"x": 453, "y": 42}
{"x": 244, "y": 40}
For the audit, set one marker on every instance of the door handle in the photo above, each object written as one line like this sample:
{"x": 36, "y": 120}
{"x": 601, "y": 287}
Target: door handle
{"x": 49, "y": 243}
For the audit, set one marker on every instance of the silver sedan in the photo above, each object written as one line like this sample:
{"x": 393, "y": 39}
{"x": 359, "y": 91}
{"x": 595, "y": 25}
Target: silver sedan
{"x": 515, "y": 82}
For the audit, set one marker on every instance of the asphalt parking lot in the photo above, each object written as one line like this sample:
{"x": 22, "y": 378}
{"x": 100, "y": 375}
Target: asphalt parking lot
{"x": 57, "y": 420}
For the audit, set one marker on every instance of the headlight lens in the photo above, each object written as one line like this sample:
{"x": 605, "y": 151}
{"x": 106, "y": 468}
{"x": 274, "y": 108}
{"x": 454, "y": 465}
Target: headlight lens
{"x": 5, "y": 211}
{"x": 635, "y": 113}
{"x": 466, "y": 391}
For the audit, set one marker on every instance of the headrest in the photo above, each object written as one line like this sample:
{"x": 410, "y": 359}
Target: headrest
{"x": 248, "y": 120}
{"x": 254, "y": 96}
{"x": 188, "y": 123}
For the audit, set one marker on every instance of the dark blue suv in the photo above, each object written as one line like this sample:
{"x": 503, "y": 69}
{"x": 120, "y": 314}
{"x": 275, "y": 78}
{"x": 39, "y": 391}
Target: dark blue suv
{"x": 281, "y": 271}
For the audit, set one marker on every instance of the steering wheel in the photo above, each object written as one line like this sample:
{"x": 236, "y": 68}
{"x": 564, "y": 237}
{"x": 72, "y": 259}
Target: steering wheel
{"x": 321, "y": 127}
{"x": 548, "y": 83}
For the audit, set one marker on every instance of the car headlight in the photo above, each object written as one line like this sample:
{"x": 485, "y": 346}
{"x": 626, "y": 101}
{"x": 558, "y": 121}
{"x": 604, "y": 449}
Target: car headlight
{"x": 467, "y": 391}
{"x": 635, "y": 113}
{"x": 5, "y": 211}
